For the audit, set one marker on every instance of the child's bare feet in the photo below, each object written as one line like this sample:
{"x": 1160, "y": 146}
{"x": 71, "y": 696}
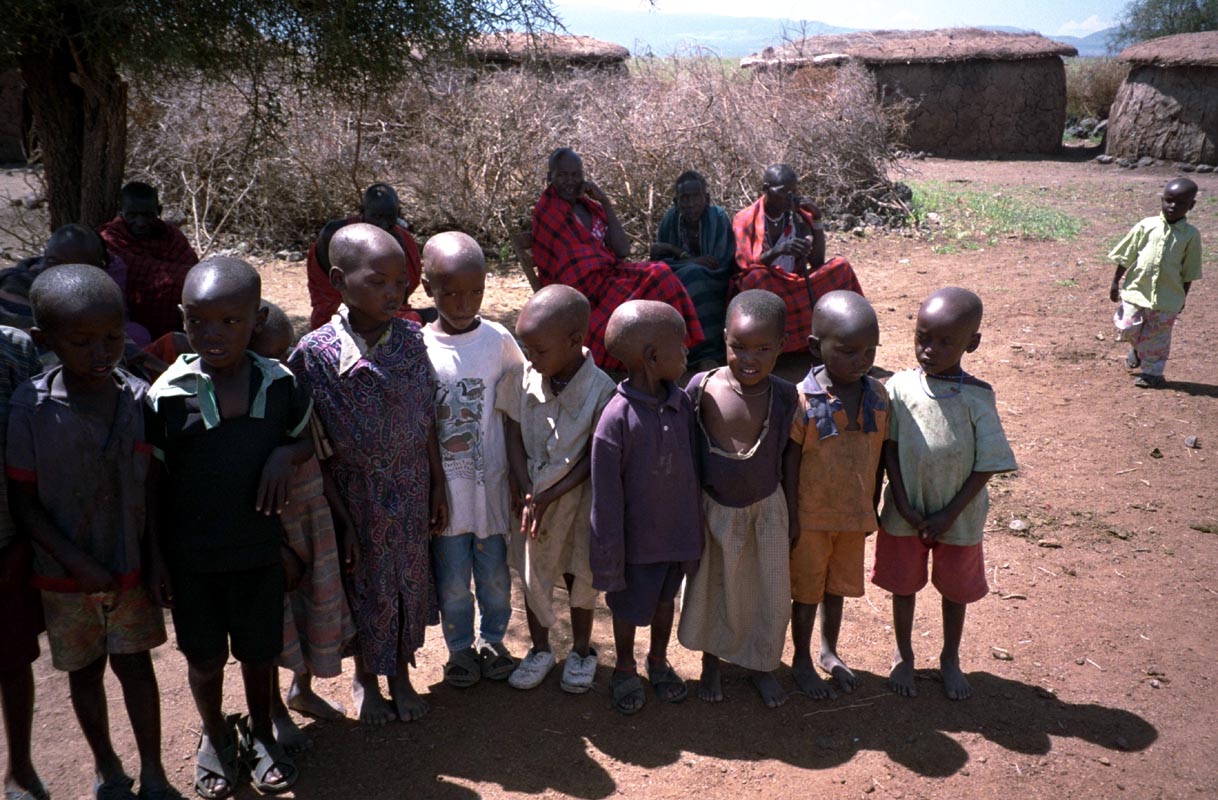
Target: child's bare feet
{"x": 955, "y": 685}
{"x": 288, "y": 733}
{"x": 831, "y": 663}
{"x": 410, "y": 706}
{"x": 771, "y": 691}
{"x": 303, "y": 699}
{"x": 374, "y": 709}
{"x": 901, "y": 678}
{"x": 809, "y": 681}
{"x": 710, "y": 685}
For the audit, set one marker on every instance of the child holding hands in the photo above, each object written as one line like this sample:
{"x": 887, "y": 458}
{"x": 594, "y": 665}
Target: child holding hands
{"x": 646, "y": 520}
{"x": 945, "y": 441}
{"x": 552, "y": 405}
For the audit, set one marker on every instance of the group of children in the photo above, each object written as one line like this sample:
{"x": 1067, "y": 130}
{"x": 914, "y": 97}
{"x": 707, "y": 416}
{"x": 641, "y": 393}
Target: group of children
{"x": 444, "y": 454}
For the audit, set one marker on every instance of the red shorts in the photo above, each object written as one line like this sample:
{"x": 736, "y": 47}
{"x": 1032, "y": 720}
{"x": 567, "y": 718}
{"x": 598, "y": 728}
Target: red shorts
{"x": 900, "y": 567}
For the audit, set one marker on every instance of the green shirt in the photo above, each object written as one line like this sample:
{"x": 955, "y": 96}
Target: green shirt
{"x": 1161, "y": 258}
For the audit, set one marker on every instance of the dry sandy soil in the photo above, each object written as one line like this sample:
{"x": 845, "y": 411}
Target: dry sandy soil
{"x": 1092, "y": 659}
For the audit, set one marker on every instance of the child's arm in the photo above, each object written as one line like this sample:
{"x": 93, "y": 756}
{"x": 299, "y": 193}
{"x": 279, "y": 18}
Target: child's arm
{"x": 935, "y": 525}
{"x": 438, "y": 505}
{"x": 892, "y": 465}
{"x": 1114, "y": 292}
{"x": 519, "y": 485}
{"x": 792, "y": 457}
{"x": 879, "y": 489}
{"x": 607, "y": 547}
{"x": 32, "y": 519}
{"x": 344, "y": 528}
{"x": 538, "y": 503}
{"x": 156, "y": 573}
{"x": 277, "y": 475}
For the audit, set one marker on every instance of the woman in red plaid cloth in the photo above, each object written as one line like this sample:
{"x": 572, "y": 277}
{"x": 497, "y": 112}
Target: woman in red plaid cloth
{"x": 780, "y": 247}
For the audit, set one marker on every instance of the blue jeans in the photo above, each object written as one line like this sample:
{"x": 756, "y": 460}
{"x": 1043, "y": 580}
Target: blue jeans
{"x": 454, "y": 560}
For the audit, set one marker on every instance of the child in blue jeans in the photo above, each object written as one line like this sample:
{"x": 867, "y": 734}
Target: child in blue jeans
{"x": 469, "y": 355}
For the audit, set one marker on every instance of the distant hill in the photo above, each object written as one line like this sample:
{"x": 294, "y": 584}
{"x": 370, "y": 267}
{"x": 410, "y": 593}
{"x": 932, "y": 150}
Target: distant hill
{"x": 665, "y": 34}
{"x": 644, "y": 32}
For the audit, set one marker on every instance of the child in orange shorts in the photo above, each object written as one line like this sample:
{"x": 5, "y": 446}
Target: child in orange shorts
{"x": 841, "y": 423}
{"x": 945, "y": 441}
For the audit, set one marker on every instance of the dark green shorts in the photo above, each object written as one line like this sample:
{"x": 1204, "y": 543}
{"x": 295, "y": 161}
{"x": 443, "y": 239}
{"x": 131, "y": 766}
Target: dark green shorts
{"x": 210, "y": 609}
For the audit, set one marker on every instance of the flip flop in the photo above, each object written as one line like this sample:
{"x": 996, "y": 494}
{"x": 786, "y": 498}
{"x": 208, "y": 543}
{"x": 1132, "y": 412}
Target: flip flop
{"x": 262, "y": 757}
{"x": 667, "y": 685}
{"x": 219, "y": 763}
{"x": 627, "y": 686}
{"x": 119, "y": 789}
{"x": 496, "y": 663}
{"x": 464, "y": 668}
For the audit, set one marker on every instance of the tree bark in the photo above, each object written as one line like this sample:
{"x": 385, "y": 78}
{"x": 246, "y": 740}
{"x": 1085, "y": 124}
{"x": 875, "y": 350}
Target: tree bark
{"x": 78, "y": 103}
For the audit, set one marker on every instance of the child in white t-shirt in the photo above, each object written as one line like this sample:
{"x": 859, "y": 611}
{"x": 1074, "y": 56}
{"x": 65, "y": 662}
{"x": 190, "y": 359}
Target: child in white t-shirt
{"x": 469, "y": 355}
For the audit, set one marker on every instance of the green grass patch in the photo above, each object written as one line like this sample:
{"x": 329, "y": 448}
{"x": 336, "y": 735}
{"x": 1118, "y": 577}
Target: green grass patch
{"x": 969, "y": 214}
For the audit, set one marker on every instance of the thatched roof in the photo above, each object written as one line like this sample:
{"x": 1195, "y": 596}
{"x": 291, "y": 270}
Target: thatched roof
{"x": 912, "y": 47}
{"x": 1181, "y": 50}
{"x": 517, "y": 48}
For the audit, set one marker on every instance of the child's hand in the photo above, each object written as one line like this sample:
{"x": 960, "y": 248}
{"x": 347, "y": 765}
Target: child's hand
{"x": 934, "y": 526}
{"x": 534, "y": 509}
{"x": 276, "y": 476}
{"x": 350, "y": 552}
{"x": 159, "y": 584}
{"x": 92, "y": 577}
{"x": 1114, "y": 294}
{"x": 293, "y": 567}
{"x": 438, "y": 508}
{"x": 792, "y": 536}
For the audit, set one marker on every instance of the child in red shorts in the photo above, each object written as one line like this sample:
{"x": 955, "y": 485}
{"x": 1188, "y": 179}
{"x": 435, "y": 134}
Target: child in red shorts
{"x": 945, "y": 441}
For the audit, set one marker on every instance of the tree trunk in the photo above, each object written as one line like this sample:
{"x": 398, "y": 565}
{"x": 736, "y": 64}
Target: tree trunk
{"x": 79, "y": 106}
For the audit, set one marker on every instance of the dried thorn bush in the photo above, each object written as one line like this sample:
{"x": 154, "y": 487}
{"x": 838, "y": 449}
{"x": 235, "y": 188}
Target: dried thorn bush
{"x": 467, "y": 149}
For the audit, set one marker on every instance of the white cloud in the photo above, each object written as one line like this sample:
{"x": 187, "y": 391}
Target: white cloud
{"x": 1085, "y": 28}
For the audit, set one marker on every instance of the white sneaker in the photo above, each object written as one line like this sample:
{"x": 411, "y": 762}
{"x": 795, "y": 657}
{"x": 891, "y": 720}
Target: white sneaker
{"x": 532, "y": 670}
{"x": 578, "y": 672}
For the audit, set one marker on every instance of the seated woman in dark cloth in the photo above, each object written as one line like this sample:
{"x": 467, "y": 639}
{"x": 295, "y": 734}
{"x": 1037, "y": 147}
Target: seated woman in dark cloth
{"x": 780, "y": 247}
{"x": 578, "y": 242}
{"x": 695, "y": 240}
{"x": 380, "y": 207}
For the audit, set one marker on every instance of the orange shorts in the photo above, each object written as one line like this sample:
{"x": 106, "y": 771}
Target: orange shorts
{"x": 900, "y": 567}
{"x": 827, "y": 562}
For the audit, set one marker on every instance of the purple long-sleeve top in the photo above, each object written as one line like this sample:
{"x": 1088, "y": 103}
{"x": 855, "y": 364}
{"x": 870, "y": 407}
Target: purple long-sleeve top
{"x": 646, "y": 507}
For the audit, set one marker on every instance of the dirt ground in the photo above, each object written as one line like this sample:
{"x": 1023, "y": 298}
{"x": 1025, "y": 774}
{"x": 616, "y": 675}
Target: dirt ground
{"x": 1092, "y": 660}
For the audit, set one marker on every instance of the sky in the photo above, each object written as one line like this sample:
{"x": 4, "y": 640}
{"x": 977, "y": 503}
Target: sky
{"x": 1049, "y": 17}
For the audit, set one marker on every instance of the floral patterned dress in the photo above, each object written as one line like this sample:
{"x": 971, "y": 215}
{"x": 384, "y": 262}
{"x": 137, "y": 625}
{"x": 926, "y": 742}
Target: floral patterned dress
{"x": 376, "y": 415}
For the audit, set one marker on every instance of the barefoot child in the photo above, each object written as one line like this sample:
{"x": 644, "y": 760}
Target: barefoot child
{"x": 226, "y": 425}
{"x": 76, "y": 464}
{"x": 736, "y": 606}
{"x": 841, "y": 425}
{"x": 21, "y": 621}
{"x": 1156, "y": 264}
{"x": 317, "y": 621}
{"x": 646, "y": 519}
{"x": 552, "y": 404}
{"x": 469, "y": 355}
{"x": 374, "y": 392}
{"x": 945, "y": 441}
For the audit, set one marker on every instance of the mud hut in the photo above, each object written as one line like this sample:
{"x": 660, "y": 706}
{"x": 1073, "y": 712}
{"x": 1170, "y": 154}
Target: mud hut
{"x": 973, "y": 92}
{"x": 1168, "y": 105}
{"x": 548, "y": 51}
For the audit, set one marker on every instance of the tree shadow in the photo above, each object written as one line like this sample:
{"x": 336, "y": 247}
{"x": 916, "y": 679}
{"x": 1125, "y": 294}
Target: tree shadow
{"x": 545, "y": 740}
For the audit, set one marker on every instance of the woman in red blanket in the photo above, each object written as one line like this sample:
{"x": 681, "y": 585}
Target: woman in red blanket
{"x": 780, "y": 247}
{"x": 578, "y": 242}
{"x": 380, "y": 207}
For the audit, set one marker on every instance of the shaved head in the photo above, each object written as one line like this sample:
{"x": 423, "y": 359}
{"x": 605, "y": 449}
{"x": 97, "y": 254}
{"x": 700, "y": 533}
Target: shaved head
{"x": 638, "y": 324}
{"x": 952, "y": 306}
{"x": 1182, "y": 186}
{"x": 841, "y": 314}
{"x": 760, "y": 305}
{"x": 222, "y": 277}
{"x": 451, "y": 252}
{"x": 779, "y": 174}
{"x": 276, "y": 336}
{"x": 555, "y": 306}
{"x": 74, "y": 244}
{"x": 58, "y": 295}
{"x": 354, "y": 245}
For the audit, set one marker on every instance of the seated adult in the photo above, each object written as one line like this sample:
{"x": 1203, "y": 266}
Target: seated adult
{"x": 380, "y": 207}
{"x": 695, "y": 240}
{"x": 157, "y": 257}
{"x": 578, "y": 242}
{"x": 780, "y": 247}
{"x": 70, "y": 244}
